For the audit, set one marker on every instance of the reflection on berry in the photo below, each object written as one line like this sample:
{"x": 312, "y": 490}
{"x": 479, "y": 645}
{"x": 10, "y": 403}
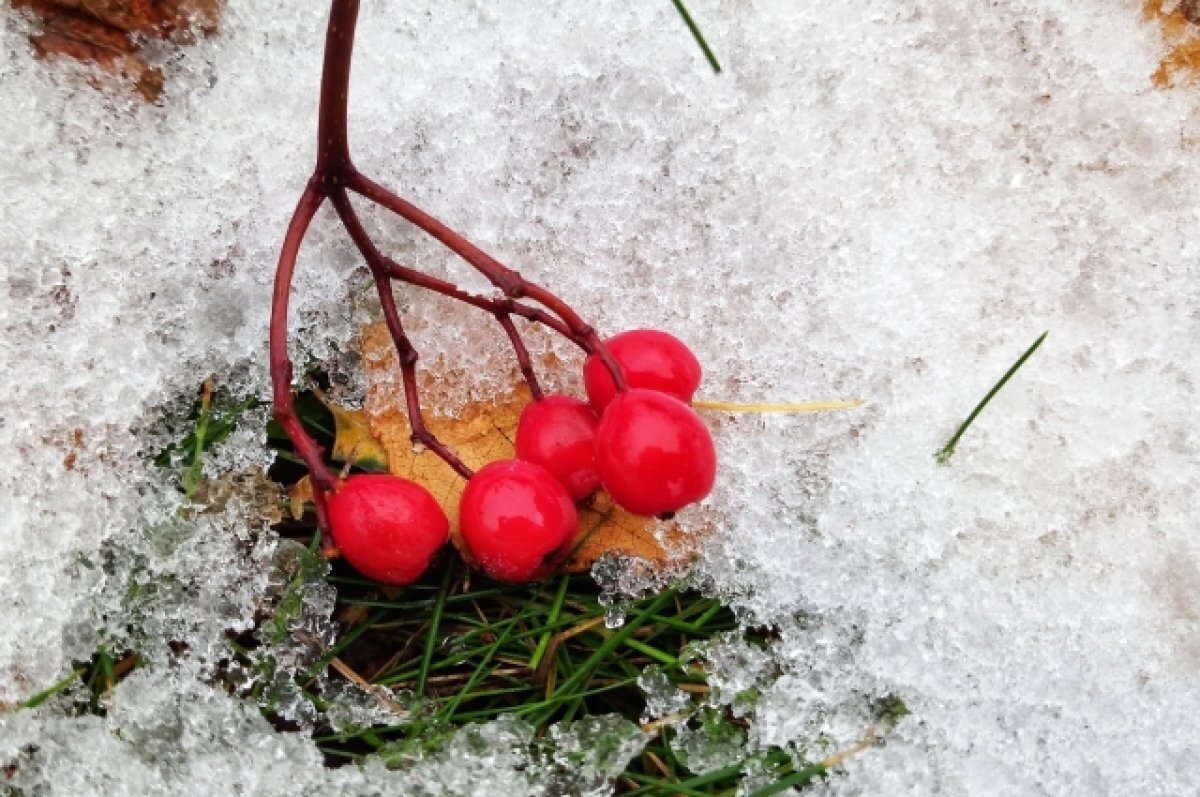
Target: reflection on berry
{"x": 559, "y": 433}
{"x": 516, "y": 519}
{"x": 386, "y": 527}
{"x": 654, "y": 454}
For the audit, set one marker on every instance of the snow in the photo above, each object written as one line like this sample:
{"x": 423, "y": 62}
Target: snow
{"x": 885, "y": 200}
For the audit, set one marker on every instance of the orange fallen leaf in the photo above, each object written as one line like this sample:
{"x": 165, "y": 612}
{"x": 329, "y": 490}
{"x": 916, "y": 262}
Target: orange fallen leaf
{"x": 606, "y": 528}
{"x": 482, "y": 433}
{"x": 353, "y": 441}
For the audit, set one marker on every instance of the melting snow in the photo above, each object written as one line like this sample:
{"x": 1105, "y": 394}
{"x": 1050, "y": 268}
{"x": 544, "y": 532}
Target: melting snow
{"x": 887, "y": 200}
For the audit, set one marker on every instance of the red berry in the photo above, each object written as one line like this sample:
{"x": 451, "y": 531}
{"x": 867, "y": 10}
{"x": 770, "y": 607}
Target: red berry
{"x": 388, "y": 528}
{"x": 515, "y": 518}
{"x": 654, "y": 453}
{"x": 649, "y": 359}
{"x": 559, "y": 433}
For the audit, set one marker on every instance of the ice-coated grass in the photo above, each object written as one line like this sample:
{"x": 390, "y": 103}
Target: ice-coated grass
{"x": 457, "y": 649}
{"x": 606, "y": 691}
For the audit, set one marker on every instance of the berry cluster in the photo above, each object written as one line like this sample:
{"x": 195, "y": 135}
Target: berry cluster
{"x": 642, "y": 444}
{"x": 636, "y": 436}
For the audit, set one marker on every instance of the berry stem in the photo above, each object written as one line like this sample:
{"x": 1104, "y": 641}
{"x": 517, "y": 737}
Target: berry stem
{"x": 509, "y": 282}
{"x": 333, "y": 174}
{"x": 494, "y": 306}
{"x": 523, "y": 360}
{"x": 281, "y": 364}
{"x": 383, "y": 267}
{"x": 404, "y": 349}
{"x": 408, "y": 370}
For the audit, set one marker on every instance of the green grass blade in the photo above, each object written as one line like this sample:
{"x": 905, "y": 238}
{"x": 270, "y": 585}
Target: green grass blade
{"x": 578, "y": 680}
{"x": 482, "y": 668}
{"x": 697, "y": 35}
{"x": 432, "y": 634}
{"x": 652, "y": 652}
{"x": 555, "y": 609}
{"x": 658, "y": 786}
{"x": 51, "y": 691}
{"x": 715, "y": 776}
{"x": 947, "y": 451}
{"x": 195, "y": 470}
{"x": 797, "y": 778}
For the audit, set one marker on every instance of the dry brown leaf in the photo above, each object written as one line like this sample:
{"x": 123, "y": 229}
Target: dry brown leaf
{"x": 1181, "y": 30}
{"x": 606, "y": 528}
{"x": 131, "y": 16}
{"x": 109, "y": 33}
{"x": 484, "y": 433}
{"x": 300, "y": 494}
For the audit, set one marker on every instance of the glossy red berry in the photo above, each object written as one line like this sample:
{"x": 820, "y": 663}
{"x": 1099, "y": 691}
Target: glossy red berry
{"x": 559, "y": 433}
{"x": 654, "y": 454}
{"x": 649, "y": 359}
{"x": 386, "y": 527}
{"x": 515, "y": 518}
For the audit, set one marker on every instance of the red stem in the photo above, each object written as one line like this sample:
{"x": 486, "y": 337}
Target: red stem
{"x": 512, "y": 284}
{"x": 332, "y": 175}
{"x": 493, "y": 306}
{"x": 333, "y": 138}
{"x": 523, "y": 360}
{"x": 281, "y": 364}
{"x": 405, "y": 351}
{"x": 322, "y": 478}
{"x": 502, "y": 309}
{"x": 408, "y": 370}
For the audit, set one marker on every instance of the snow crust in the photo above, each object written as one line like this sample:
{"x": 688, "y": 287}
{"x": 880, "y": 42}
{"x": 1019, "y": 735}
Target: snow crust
{"x": 885, "y": 200}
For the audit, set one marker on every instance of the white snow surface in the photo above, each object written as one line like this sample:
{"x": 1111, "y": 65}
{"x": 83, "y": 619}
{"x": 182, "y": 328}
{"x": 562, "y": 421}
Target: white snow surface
{"x": 885, "y": 200}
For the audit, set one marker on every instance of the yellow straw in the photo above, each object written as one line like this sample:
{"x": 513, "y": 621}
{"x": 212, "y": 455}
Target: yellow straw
{"x": 803, "y": 406}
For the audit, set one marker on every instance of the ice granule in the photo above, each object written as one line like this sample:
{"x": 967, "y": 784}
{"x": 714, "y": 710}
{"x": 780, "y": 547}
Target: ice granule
{"x": 734, "y": 666}
{"x": 886, "y": 200}
{"x": 351, "y": 707}
{"x": 708, "y": 743}
{"x": 589, "y": 753}
{"x": 663, "y": 699}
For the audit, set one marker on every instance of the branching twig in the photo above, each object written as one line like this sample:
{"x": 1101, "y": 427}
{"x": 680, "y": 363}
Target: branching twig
{"x": 333, "y": 176}
{"x": 382, "y": 267}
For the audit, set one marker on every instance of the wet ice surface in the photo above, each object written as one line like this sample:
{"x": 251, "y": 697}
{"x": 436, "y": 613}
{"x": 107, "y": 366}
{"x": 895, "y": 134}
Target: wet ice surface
{"x": 886, "y": 200}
